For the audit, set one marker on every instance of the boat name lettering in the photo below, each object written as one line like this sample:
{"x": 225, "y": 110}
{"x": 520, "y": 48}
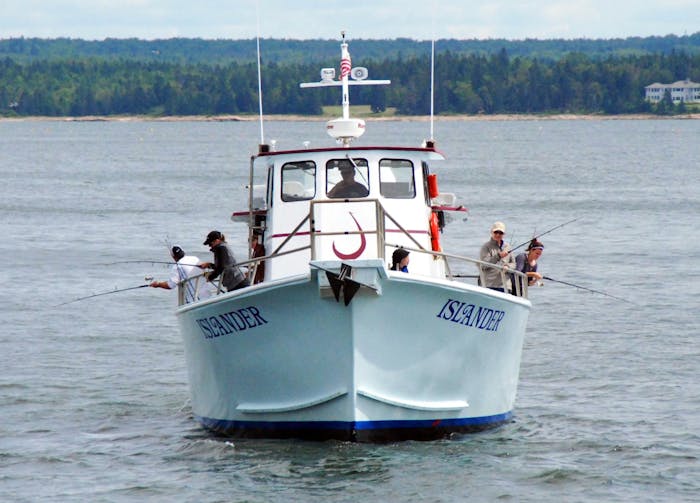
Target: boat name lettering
{"x": 471, "y": 315}
{"x": 231, "y": 322}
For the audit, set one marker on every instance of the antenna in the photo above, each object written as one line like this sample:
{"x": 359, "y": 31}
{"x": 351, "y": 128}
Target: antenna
{"x": 432, "y": 73}
{"x": 260, "y": 106}
{"x": 432, "y": 87}
{"x": 345, "y": 129}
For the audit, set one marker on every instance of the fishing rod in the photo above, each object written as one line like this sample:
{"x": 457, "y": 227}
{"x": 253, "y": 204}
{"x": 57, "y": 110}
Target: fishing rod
{"x": 105, "y": 293}
{"x": 543, "y": 233}
{"x": 557, "y": 281}
{"x": 588, "y": 289}
{"x": 146, "y": 262}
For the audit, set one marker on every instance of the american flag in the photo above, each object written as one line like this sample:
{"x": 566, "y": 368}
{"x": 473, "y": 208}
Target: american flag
{"x": 345, "y": 67}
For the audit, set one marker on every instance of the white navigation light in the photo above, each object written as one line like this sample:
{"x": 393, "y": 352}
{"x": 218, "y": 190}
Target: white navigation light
{"x": 359, "y": 73}
{"x": 327, "y": 74}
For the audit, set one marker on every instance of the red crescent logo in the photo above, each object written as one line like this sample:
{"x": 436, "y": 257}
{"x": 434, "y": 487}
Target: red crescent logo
{"x": 356, "y": 253}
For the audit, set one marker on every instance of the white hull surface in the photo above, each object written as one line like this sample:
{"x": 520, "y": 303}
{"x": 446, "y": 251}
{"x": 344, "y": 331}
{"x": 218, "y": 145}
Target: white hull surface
{"x": 409, "y": 356}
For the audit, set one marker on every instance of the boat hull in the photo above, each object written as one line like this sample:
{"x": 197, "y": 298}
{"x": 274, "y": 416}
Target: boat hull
{"x": 406, "y": 357}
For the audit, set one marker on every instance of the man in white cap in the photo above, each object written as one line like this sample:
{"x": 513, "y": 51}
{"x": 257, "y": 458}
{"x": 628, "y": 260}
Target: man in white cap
{"x": 495, "y": 251}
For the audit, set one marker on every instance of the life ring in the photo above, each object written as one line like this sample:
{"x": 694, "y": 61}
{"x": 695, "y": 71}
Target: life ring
{"x": 434, "y": 232}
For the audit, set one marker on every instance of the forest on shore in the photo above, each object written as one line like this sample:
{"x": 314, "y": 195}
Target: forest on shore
{"x": 113, "y": 77}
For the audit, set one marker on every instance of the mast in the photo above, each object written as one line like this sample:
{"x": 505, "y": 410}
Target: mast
{"x": 345, "y": 129}
{"x": 345, "y": 69}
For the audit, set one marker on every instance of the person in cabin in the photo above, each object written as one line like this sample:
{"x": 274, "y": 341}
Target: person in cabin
{"x": 399, "y": 260}
{"x": 258, "y": 250}
{"x": 348, "y": 186}
{"x": 527, "y": 262}
{"x": 495, "y": 251}
{"x": 184, "y": 272}
{"x": 224, "y": 265}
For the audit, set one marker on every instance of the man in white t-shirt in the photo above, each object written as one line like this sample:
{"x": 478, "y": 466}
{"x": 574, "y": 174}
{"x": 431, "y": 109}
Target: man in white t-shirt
{"x": 184, "y": 273}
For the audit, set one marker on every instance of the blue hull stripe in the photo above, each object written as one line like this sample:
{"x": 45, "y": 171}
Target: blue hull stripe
{"x": 443, "y": 423}
{"x": 353, "y": 430}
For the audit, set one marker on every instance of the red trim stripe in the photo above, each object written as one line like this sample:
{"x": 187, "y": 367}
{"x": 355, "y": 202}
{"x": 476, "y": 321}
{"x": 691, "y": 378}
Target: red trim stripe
{"x": 306, "y": 233}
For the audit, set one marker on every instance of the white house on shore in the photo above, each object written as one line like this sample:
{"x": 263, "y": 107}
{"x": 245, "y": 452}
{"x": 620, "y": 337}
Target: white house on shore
{"x": 682, "y": 90}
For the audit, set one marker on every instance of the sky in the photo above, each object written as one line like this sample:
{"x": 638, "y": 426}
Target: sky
{"x": 361, "y": 19}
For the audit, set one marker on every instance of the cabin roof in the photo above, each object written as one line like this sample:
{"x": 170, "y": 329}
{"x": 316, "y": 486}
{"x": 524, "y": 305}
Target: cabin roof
{"x": 436, "y": 154}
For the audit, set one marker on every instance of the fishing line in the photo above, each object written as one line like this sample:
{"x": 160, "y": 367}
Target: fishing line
{"x": 104, "y": 293}
{"x": 545, "y": 232}
{"x": 588, "y": 289}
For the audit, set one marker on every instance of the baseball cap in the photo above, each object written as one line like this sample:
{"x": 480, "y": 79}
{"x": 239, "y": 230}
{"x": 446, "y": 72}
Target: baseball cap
{"x": 177, "y": 252}
{"x": 212, "y": 236}
{"x": 498, "y": 226}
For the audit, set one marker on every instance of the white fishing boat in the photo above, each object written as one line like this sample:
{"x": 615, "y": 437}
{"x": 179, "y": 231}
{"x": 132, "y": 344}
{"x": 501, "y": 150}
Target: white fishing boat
{"x": 328, "y": 342}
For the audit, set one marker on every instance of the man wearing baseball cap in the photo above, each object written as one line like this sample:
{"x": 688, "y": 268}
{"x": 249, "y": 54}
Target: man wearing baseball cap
{"x": 495, "y": 251}
{"x": 184, "y": 273}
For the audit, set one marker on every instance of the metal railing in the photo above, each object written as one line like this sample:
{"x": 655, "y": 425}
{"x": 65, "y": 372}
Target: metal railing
{"x": 190, "y": 289}
{"x": 512, "y": 281}
{"x": 519, "y": 288}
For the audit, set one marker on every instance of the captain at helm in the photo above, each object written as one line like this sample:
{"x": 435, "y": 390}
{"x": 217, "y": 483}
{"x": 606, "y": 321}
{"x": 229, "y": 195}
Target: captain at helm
{"x": 347, "y": 187}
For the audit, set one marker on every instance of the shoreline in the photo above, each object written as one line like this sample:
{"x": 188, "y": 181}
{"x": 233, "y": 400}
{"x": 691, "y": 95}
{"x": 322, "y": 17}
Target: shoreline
{"x": 317, "y": 118}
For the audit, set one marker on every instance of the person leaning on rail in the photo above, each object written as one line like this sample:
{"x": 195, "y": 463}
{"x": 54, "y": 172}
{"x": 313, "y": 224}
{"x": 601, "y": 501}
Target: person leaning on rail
{"x": 527, "y": 262}
{"x": 184, "y": 272}
{"x": 224, "y": 265}
{"x": 496, "y": 252}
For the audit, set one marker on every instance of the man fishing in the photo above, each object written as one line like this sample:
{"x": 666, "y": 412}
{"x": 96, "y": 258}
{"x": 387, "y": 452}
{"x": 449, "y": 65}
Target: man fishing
{"x": 496, "y": 252}
{"x": 184, "y": 272}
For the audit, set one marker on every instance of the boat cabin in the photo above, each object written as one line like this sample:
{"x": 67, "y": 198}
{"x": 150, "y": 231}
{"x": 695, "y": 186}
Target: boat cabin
{"x": 345, "y": 204}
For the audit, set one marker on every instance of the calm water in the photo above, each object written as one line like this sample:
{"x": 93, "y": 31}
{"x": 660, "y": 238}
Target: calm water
{"x": 93, "y": 395}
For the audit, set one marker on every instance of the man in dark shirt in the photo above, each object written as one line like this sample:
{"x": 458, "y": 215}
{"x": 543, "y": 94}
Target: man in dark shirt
{"x": 348, "y": 187}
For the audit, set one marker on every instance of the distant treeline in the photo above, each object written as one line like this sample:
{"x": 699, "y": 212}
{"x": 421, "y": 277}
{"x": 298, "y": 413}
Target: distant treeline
{"x": 197, "y": 77}
{"x": 190, "y": 51}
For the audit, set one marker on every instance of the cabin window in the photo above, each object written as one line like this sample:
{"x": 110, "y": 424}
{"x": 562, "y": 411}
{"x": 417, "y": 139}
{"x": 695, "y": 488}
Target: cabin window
{"x": 346, "y": 178}
{"x": 396, "y": 179}
{"x": 298, "y": 181}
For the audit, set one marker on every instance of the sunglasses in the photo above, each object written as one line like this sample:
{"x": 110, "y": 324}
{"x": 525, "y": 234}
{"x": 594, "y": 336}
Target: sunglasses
{"x": 498, "y": 232}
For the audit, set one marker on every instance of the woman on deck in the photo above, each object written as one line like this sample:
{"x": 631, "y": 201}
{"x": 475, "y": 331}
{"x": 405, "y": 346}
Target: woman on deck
{"x": 232, "y": 278}
{"x": 527, "y": 262}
